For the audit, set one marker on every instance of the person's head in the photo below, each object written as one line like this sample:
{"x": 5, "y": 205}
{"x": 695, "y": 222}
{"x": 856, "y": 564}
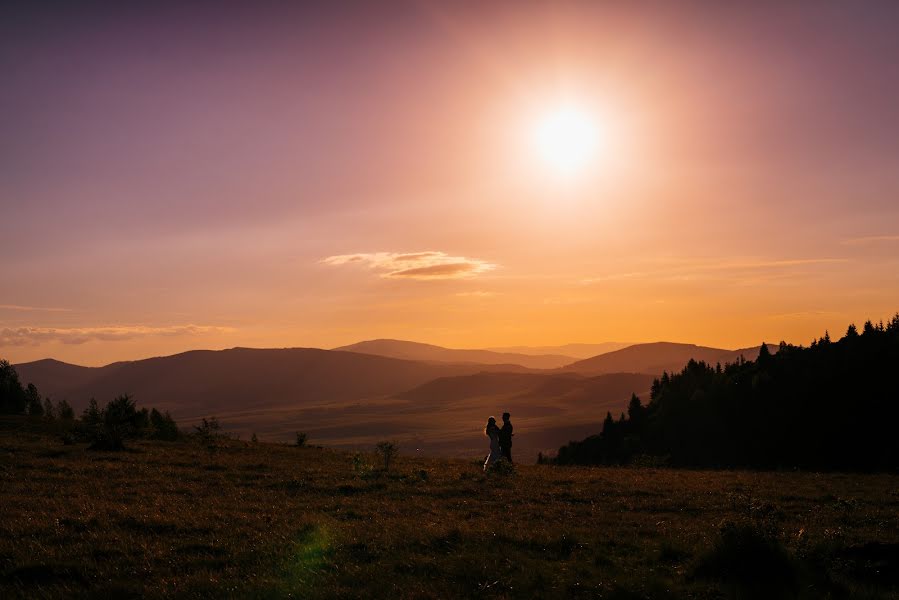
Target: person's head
{"x": 506, "y": 416}
{"x": 491, "y": 424}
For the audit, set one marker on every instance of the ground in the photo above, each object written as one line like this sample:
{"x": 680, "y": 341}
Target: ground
{"x": 236, "y": 519}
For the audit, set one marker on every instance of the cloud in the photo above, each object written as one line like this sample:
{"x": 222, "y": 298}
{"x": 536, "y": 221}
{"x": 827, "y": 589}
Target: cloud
{"x": 416, "y": 265}
{"x": 31, "y": 336}
{"x": 870, "y": 239}
{"x": 19, "y": 307}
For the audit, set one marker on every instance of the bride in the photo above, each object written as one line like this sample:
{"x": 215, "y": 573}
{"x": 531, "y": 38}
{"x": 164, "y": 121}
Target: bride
{"x": 492, "y": 432}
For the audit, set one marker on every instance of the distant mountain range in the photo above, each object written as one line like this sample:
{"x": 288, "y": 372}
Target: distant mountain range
{"x": 434, "y": 398}
{"x": 658, "y": 357}
{"x": 431, "y": 353}
{"x": 575, "y": 351}
{"x": 201, "y": 381}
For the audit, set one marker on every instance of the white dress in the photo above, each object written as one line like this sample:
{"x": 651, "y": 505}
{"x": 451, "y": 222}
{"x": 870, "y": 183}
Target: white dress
{"x": 495, "y": 453}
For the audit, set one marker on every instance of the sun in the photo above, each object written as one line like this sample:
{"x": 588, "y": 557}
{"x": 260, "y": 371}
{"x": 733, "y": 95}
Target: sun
{"x": 566, "y": 139}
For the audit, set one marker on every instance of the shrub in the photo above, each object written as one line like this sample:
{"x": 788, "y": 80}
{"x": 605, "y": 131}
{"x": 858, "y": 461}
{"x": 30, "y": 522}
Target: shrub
{"x": 209, "y": 431}
{"x": 49, "y": 412}
{"x": 64, "y": 411}
{"x": 118, "y": 421}
{"x": 12, "y": 395}
{"x": 388, "y": 451}
{"x": 254, "y": 439}
{"x": 163, "y": 426}
{"x": 301, "y": 439}
{"x": 744, "y": 556}
{"x": 33, "y": 401}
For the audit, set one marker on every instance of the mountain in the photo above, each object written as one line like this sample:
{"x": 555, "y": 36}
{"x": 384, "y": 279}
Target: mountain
{"x": 657, "y": 357}
{"x": 203, "y": 381}
{"x": 574, "y": 350}
{"x": 430, "y": 353}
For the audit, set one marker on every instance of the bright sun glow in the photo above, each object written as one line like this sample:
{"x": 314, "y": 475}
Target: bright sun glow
{"x": 566, "y": 139}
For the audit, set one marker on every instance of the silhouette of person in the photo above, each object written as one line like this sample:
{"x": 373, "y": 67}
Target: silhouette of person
{"x": 492, "y": 432}
{"x": 505, "y": 437}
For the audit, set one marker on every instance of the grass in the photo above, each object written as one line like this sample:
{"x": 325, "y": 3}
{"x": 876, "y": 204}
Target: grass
{"x": 267, "y": 521}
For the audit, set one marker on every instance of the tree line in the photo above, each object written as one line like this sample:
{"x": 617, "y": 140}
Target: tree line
{"x": 105, "y": 428}
{"x": 832, "y": 405}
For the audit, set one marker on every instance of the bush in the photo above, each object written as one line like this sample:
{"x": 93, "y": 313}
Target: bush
{"x": 163, "y": 426}
{"x": 746, "y": 557}
{"x": 301, "y": 439}
{"x": 209, "y": 431}
{"x": 117, "y": 421}
{"x": 33, "y": 401}
{"x": 64, "y": 411}
{"x": 12, "y": 395}
{"x": 388, "y": 451}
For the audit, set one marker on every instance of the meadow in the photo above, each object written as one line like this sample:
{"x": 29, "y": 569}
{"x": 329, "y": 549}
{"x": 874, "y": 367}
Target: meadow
{"x": 226, "y": 518}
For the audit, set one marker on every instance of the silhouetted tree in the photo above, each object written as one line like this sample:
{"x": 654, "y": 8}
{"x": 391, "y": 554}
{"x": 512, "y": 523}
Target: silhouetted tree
{"x": 33, "y": 401}
{"x": 91, "y": 416}
{"x": 49, "y": 412}
{"x": 64, "y": 411}
{"x": 12, "y": 396}
{"x": 830, "y": 406}
{"x": 119, "y": 420}
{"x": 162, "y": 426}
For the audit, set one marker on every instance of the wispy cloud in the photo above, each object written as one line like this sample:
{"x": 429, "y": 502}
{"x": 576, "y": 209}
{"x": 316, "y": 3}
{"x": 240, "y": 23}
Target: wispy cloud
{"x": 870, "y": 239}
{"x": 416, "y": 265}
{"x": 29, "y": 336}
{"x": 19, "y": 307}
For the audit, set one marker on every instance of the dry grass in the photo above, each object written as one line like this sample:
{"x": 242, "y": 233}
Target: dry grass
{"x": 260, "y": 521}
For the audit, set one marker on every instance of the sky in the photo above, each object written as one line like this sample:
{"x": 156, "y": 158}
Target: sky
{"x": 192, "y": 175}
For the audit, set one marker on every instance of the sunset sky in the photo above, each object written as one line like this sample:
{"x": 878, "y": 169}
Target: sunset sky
{"x": 185, "y": 176}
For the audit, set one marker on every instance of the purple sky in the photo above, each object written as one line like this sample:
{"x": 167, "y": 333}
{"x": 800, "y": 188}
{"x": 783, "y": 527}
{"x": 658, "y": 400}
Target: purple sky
{"x": 175, "y": 176}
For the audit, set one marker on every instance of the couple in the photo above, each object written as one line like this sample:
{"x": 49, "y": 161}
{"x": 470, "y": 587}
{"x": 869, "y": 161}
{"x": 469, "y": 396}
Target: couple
{"x": 500, "y": 440}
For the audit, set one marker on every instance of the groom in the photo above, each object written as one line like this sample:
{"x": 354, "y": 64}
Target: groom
{"x": 505, "y": 437}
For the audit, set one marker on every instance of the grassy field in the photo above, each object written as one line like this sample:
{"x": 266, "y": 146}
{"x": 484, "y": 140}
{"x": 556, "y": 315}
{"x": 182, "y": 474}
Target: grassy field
{"x": 185, "y": 519}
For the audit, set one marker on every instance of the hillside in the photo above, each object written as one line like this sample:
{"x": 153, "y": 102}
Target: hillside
{"x": 182, "y": 520}
{"x": 657, "y": 357}
{"x": 430, "y": 353}
{"x": 204, "y": 381}
{"x": 829, "y": 406}
{"x": 573, "y": 350}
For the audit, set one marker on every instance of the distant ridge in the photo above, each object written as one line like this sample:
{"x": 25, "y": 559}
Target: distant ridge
{"x": 654, "y": 358}
{"x": 574, "y": 350}
{"x": 428, "y": 352}
{"x": 199, "y": 381}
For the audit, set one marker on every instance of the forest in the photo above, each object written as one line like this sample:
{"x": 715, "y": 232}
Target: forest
{"x": 829, "y": 406}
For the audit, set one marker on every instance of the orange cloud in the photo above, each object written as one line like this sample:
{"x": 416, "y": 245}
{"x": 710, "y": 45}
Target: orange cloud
{"x": 417, "y": 265}
{"x": 26, "y": 336}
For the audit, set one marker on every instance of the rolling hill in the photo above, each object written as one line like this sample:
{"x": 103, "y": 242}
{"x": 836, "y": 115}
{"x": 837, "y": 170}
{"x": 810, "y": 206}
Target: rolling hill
{"x": 574, "y": 350}
{"x": 657, "y": 357}
{"x": 201, "y": 381}
{"x": 430, "y": 353}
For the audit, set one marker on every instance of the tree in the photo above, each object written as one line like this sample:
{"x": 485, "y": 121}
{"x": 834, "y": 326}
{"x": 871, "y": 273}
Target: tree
{"x": 635, "y": 410}
{"x": 49, "y": 413}
{"x": 33, "y": 401}
{"x": 64, "y": 411}
{"x": 91, "y": 416}
{"x": 388, "y": 452}
{"x": 12, "y": 396}
{"x": 163, "y": 426}
{"x": 119, "y": 421}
